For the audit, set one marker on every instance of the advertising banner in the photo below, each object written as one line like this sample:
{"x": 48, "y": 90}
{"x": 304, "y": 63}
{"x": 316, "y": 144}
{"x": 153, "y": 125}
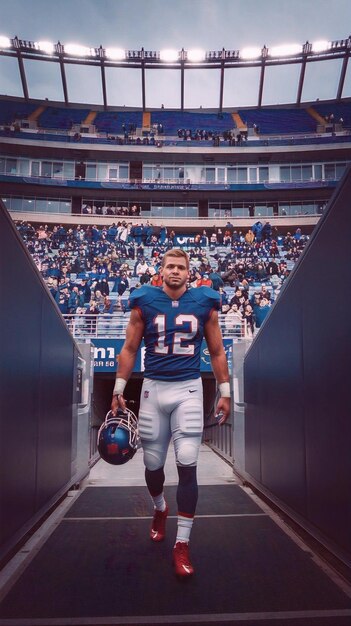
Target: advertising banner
{"x": 106, "y": 353}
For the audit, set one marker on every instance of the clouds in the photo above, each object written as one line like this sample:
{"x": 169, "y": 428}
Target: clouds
{"x": 159, "y": 23}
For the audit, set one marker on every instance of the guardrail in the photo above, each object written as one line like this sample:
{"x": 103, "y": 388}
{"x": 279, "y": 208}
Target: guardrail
{"x": 220, "y": 438}
{"x": 113, "y": 326}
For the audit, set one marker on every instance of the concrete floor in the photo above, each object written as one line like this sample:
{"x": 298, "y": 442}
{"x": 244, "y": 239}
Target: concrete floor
{"x": 212, "y": 470}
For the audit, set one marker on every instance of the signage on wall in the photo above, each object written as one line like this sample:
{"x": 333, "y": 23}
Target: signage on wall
{"x": 106, "y": 353}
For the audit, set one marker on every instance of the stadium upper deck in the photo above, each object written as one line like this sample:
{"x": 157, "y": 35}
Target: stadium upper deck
{"x": 276, "y": 162}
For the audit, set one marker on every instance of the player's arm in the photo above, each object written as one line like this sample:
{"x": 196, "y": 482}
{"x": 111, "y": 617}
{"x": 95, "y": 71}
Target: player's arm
{"x": 126, "y": 359}
{"x": 219, "y": 364}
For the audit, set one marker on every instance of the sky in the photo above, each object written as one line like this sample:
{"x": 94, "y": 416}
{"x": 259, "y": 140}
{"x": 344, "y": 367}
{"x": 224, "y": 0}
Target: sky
{"x": 188, "y": 24}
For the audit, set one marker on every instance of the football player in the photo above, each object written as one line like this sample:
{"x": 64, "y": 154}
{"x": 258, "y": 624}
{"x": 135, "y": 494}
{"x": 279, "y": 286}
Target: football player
{"x": 173, "y": 320}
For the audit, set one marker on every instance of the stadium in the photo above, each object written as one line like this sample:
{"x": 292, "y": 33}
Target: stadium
{"x": 92, "y": 197}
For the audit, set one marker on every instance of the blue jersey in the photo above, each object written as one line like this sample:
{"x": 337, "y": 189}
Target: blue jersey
{"x": 174, "y": 330}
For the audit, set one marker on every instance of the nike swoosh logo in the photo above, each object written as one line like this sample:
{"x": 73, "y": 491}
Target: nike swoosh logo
{"x": 192, "y": 390}
{"x": 187, "y": 569}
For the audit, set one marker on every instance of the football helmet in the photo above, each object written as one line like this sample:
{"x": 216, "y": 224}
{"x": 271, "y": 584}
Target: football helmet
{"x": 118, "y": 437}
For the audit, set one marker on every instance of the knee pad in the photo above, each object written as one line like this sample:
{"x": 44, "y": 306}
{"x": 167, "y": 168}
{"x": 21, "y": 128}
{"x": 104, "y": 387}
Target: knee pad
{"x": 154, "y": 459}
{"x": 187, "y": 452}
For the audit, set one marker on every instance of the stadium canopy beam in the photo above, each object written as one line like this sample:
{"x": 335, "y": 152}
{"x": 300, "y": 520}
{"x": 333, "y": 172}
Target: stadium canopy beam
{"x": 342, "y": 76}
{"x": 260, "y": 88}
{"x": 150, "y": 59}
{"x": 307, "y": 50}
{"x": 100, "y": 52}
{"x": 182, "y": 80}
{"x": 63, "y": 76}
{"x": 221, "y": 88}
{"x": 143, "y": 93}
{"x": 21, "y": 68}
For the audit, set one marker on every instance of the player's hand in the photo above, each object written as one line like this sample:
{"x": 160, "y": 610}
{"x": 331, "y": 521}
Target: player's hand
{"x": 223, "y": 409}
{"x": 118, "y": 402}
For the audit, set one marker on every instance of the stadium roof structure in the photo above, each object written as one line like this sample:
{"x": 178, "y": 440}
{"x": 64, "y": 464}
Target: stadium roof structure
{"x": 181, "y": 61}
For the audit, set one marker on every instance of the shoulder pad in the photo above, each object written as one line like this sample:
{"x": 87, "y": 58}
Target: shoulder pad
{"x": 206, "y": 296}
{"x": 142, "y": 295}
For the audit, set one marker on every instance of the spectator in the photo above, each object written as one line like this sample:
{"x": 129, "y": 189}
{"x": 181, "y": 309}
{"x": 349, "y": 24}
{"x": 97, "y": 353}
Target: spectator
{"x": 261, "y": 312}
{"x": 249, "y": 320}
{"x": 62, "y": 298}
{"x": 257, "y": 230}
{"x": 107, "y": 305}
{"x": 230, "y": 276}
{"x": 85, "y": 290}
{"x": 233, "y": 321}
{"x": 264, "y": 293}
{"x": 145, "y": 277}
{"x": 102, "y": 287}
{"x": 250, "y": 237}
{"x": 99, "y": 299}
{"x": 141, "y": 267}
{"x": 261, "y": 272}
{"x": 240, "y": 299}
{"x": 91, "y": 314}
{"x": 267, "y": 231}
{"x": 204, "y": 281}
{"x": 156, "y": 280}
{"x": 123, "y": 284}
{"x": 75, "y": 300}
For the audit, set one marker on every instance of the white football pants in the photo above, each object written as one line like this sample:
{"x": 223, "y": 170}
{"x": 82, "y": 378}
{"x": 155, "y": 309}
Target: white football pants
{"x": 171, "y": 409}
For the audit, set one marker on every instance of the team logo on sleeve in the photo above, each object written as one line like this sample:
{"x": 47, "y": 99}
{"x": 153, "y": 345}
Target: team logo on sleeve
{"x": 146, "y": 394}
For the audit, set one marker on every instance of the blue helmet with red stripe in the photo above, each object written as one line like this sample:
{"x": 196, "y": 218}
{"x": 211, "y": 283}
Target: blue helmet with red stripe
{"x": 118, "y": 437}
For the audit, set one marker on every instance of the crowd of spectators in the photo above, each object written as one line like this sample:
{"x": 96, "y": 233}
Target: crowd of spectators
{"x": 90, "y": 270}
{"x": 233, "y": 137}
{"x": 107, "y": 209}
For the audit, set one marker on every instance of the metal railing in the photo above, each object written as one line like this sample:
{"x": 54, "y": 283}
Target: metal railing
{"x": 113, "y": 326}
{"x": 220, "y": 438}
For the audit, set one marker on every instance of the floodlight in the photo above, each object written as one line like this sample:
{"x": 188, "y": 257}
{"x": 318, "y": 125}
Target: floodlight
{"x": 320, "y": 46}
{"x": 76, "y": 50}
{"x": 116, "y": 54}
{"x": 45, "y": 46}
{"x": 196, "y": 55}
{"x": 250, "y": 53}
{"x": 285, "y": 50}
{"x": 169, "y": 55}
{"x": 5, "y": 42}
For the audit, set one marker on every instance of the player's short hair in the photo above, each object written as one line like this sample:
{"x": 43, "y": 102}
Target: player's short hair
{"x": 177, "y": 252}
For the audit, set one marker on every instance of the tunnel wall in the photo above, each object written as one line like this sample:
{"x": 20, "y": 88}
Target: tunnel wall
{"x": 297, "y": 386}
{"x": 37, "y": 391}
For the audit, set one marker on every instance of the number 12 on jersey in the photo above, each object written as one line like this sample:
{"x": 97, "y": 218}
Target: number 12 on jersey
{"x": 181, "y": 341}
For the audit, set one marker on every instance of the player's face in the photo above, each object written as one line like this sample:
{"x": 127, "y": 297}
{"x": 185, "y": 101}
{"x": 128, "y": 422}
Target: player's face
{"x": 175, "y": 272}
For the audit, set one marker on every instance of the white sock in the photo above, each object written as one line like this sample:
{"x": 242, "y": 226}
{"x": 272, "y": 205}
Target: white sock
{"x": 184, "y": 528}
{"x": 159, "y": 502}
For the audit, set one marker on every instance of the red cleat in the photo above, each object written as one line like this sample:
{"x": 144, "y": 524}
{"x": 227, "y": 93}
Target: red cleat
{"x": 158, "y": 528}
{"x": 181, "y": 560}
